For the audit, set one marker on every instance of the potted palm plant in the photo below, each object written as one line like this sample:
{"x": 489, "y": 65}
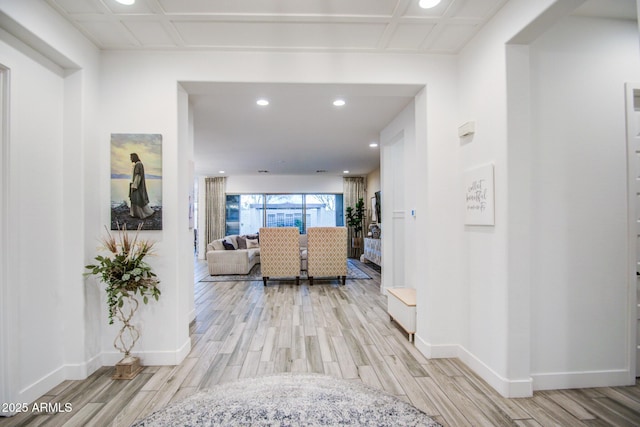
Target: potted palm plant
{"x": 355, "y": 220}
{"x": 126, "y": 275}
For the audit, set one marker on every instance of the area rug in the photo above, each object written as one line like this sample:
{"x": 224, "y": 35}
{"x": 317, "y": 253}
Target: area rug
{"x": 353, "y": 272}
{"x": 290, "y": 400}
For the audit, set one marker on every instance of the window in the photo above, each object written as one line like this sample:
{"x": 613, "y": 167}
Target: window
{"x": 246, "y": 213}
{"x": 286, "y": 207}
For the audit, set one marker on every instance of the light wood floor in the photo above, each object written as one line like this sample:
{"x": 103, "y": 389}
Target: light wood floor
{"x": 243, "y": 329}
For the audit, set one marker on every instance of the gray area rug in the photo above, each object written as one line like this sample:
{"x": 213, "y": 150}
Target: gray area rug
{"x": 290, "y": 400}
{"x": 353, "y": 272}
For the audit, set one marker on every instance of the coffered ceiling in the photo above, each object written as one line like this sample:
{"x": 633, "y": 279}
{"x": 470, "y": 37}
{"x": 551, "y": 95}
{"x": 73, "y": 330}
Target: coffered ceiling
{"x": 309, "y": 25}
{"x": 300, "y": 132}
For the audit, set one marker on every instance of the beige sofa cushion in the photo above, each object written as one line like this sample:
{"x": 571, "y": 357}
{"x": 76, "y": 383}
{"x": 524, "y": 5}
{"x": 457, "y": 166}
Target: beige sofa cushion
{"x": 217, "y": 245}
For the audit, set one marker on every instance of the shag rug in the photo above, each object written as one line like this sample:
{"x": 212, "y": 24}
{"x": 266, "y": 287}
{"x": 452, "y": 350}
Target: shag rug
{"x": 353, "y": 272}
{"x": 290, "y": 400}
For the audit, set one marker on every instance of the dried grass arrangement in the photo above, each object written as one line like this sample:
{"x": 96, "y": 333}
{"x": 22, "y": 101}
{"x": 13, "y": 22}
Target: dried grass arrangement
{"x": 125, "y": 271}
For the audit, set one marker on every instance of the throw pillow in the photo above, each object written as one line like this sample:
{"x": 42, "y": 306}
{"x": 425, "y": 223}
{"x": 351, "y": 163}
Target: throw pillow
{"x": 228, "y": 246}
{"x": 252, "y": 236}
{"x": 242, "y": 242}
{"x": 232, "y": 239}
{"x": 252, "y": 244}
{"x": 217, "y": 245}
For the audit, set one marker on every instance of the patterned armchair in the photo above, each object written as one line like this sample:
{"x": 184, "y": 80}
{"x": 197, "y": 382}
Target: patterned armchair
{"x": 280, "y": 253}
{"x": 327, "y": 252}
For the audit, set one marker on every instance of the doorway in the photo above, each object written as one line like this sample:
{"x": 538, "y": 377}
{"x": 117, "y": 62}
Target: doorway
{"x": 633, "y": 165}
{"x": 6, "y": 302}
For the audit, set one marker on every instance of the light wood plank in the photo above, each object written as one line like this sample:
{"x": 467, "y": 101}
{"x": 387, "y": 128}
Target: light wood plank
{"x": 243, "y": 330}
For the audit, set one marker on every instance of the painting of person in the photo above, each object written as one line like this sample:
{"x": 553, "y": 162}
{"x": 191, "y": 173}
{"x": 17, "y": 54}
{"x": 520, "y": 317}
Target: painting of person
{"x": 138, "y": 190}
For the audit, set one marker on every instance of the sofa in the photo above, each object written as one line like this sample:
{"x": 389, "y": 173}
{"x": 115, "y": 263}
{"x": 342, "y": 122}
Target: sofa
{"x": 241, "y": 259}
{"x": 233, "y": 254}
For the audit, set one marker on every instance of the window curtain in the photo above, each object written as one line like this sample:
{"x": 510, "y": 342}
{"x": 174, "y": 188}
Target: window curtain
{"x": 215, "y": 204}
{"x": 354, "y": 189}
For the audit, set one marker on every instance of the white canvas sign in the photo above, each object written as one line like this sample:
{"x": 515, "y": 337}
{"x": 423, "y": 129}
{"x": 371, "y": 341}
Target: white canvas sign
{"x": 479, "y": 196}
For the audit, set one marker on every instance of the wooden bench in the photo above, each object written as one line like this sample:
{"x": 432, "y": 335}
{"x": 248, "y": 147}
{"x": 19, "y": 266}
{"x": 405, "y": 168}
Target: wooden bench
{"x": 401, "y": 306}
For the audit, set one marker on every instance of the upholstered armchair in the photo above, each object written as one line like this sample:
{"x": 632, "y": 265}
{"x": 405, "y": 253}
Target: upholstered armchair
{"x": 280, "y": 253}
{"x": 327, "y": 252}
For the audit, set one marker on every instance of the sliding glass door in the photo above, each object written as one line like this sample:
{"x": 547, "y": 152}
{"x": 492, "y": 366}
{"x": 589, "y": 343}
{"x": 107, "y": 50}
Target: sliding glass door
{"x": 285, "y": 210}
{"x": 246, "y": 213}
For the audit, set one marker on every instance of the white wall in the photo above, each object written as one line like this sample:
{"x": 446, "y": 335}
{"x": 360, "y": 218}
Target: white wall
{"x": 48, "y": 323}
{"x": 579, "y": 325}
{"x": 247, "y": 184}
{"x": 36, "y": 214}
{"x": 148, "y": 84}
{"x": 546, "y": 307}
{"x": 488, "y": 335}
{"x": 462, "y": 274}
{"x": 153, "y": 101}
{"x": 397, "y": 142}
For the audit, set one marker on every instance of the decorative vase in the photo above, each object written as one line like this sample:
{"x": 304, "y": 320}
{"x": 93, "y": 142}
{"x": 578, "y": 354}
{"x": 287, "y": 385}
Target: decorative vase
{"x": 129, "y": 366}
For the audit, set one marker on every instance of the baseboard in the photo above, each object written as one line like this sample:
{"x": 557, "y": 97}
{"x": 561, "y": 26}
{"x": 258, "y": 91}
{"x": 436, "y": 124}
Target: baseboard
{"x": 149, "y": 358}
{"x": 72, "y": 371}
{"x": 80, "y": 371}
{"x": 504, "y": 386}
{"x": 585, "y": 379}
{"x": 33, "y": 391}
{"x": 440, "y": 351}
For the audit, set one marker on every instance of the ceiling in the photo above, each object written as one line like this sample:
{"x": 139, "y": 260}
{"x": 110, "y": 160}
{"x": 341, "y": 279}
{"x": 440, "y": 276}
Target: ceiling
{"x": 300, "y": 132}
{"x": 309, "y": 25}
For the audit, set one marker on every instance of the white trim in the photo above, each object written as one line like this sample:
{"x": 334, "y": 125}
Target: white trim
{"x": 81, "y": 371}
{"x": 151, "y": 358}
{"x": 440, "y": 351}
{"x": 632, "y": 231}
{"x": 585, "y": 379}
{"x": 8, "y": 303}
{"x": 504, "y": 386}
{"x": 66, "y": 372}
{"x": 39, "y": 387}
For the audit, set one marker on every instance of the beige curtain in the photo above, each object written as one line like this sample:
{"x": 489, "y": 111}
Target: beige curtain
{"x": 354, "y": 189}
{"x": 215, "y": 204}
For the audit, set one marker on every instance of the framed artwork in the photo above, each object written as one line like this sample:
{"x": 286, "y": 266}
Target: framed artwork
{"x": 374, "y": 210}
{"x": 136, "y": 181}
{"x": 479, "y": 196}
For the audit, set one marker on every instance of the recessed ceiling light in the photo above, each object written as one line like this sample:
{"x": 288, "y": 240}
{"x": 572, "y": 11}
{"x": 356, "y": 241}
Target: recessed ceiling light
{"x": 345, "y": 171}
{"x": 339, "y": 102}
{"x": 126, "y": 2}
{"x": 262, "y": 102}
{"x": 373, "y": 145}
{"x": 220, "y": 171}
{"x": 428, "y": 4}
